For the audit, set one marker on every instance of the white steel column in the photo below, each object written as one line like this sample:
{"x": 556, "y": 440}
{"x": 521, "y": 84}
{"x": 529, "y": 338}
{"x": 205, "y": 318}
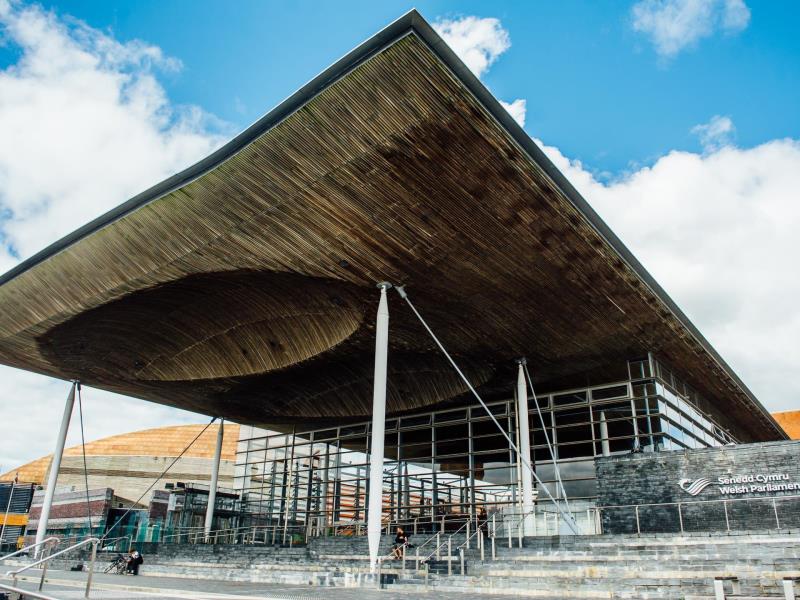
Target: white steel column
{"x": 374, "y": 523}
{"x": 212, "y": 490}
{"x": 524, "y": 446}
{"x": 606, "y": 449}
{"x": 55, "y": 466}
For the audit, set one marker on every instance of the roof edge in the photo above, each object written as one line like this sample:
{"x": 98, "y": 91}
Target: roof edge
{"x": 297, "y": 100}
{"x": 521, "y": 137}
{"x": 411, "y": 22}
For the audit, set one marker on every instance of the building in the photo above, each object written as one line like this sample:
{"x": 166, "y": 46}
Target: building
{"x": 122, "y": 470}
{"x": 790, "y": 421}
{"x": 129, "y": 463}
{"x": 245, "y": 287}
{"x": 15, "y": 503}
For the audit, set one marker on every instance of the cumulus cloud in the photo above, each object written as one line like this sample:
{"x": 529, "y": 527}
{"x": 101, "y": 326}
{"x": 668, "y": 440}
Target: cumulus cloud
{"x": 32, "y": 407}
{"x": 715, "y": 134}
{"x": 479, "y": 42}
{"x": 718, "y": 231}
{"x": 516, "y": 109}
{"x": 84, "y": 125}
{"x": 673, "y": 25}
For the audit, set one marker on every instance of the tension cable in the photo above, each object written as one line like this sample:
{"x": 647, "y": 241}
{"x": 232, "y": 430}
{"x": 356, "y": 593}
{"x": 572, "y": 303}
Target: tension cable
{"x": 567, "y": 518}
{"x": 83, "y": 452}
{"x": 546, "y": 436}
{"x": 164, "y": 472}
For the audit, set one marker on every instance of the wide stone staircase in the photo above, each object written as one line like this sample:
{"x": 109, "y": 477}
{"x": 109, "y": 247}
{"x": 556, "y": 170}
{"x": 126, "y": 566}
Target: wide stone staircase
{"x": 662, "y": 566}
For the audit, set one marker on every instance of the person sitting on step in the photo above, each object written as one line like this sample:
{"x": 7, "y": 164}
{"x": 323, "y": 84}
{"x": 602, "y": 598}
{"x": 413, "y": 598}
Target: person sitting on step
{"x": 134, "y": 562}
{"x": 400, "y": 543}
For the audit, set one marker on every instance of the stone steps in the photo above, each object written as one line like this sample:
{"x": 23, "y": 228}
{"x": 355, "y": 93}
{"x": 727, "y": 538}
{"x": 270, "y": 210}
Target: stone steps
{"x": 665, "y": 567}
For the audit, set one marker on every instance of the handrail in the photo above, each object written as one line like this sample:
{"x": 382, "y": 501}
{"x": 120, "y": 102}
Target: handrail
{"x": 52, "y": 556}
{"x": 478, "y": 530}
{"x": 402, "y": 547}
{"x": 440, "y": 546}
{"x": 770, "y": 498}
{"x": 26, "y": 548}
{"x": 25, "y": 593}
{"x": 94, "y": 541}
{"x": 426, "y": 542}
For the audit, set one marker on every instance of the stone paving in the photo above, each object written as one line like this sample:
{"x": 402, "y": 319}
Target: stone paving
{"x": 69, "y": 585}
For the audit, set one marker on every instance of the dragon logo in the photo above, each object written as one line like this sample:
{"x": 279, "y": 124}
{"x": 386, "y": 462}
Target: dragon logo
{"x": 694, "y": 487}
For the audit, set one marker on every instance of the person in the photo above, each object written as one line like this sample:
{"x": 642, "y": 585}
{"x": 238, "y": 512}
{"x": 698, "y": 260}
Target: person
{"x": 400, "y": 543}
{"x": 134, "y": 561}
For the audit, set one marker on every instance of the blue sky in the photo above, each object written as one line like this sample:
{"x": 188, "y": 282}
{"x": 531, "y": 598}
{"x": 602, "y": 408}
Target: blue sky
{"x": 593, "y": 85}
{"x": 677, "y": 120}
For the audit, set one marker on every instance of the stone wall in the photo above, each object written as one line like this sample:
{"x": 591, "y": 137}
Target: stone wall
{"x": 738, "y": 488}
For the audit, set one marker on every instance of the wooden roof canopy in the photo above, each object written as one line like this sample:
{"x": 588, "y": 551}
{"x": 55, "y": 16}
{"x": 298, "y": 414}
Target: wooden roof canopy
{"x": 245, "y": 286}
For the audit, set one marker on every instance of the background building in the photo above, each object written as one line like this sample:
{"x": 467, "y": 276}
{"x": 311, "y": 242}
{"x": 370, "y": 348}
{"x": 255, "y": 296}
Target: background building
{"x": 129, "y": 463}
{"x": 15, "y": 502}
{"x": 790, "y": 421}
{"x": 120, "y": 470}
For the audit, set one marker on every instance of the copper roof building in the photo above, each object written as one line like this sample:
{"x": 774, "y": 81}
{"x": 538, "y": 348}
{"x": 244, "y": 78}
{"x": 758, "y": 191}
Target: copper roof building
{"x": 245, "y": 287}
{"x": 129, "y": 462}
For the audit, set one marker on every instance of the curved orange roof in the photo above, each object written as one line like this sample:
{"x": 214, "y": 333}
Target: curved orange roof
{"x": 160, "y": 441}
{"x": 790, "y": 421}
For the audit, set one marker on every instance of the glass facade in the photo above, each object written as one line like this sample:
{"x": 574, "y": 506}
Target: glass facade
{"x": 454, "y": 464}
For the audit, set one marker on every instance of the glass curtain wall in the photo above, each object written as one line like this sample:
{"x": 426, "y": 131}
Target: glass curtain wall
{"x": 452, "y": 465}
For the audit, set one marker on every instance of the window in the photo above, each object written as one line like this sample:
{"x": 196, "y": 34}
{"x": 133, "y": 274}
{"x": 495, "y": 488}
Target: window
{"x": 617, "y": 391}
{"x": 570, "y": 398}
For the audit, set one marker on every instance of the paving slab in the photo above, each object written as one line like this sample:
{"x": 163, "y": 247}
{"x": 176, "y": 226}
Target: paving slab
{"x": 70, "y": 585}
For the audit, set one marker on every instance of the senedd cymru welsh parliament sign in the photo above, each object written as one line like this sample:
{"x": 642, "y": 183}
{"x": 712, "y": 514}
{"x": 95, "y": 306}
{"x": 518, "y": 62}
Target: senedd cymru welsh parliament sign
{"x": 741, "y": 484}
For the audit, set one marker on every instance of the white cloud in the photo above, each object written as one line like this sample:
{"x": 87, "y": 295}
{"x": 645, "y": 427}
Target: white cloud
{"x": 673, "y": 25}
{"x": 84, "y": 125}
{"x": 32, "y": 408}
{"x": 479, "y": 42}
{"x": 715, "y": 134}
{"x": 516, "y": 109}
{"x": 718, "y": 231}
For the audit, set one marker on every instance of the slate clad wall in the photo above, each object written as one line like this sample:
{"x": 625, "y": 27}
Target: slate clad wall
{"x": 653, "y": 478}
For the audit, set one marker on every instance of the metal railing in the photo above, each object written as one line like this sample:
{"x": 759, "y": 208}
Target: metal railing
{"x": 449, "y": 543}
{"x": 45, "y": 542}
{"x": 44, "y": 561}
{"x": 25, "y": 593}
{"x": 727, "y": 514}
{"x": 254, "y": 534}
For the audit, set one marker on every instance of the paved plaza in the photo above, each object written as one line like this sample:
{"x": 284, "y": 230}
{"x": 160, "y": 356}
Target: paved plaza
{"x": 67, "y": 585}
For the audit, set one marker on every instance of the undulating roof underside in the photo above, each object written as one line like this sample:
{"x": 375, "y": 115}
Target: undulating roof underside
{"x": 245, "y": 287}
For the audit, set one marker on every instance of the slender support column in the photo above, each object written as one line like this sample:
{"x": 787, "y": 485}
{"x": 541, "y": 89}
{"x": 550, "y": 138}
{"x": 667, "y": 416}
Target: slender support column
{"x": 212, "y": 490}
{"x": 55, "y": 466}
{"x": 604, "y": 445}
{"x": 378, "y": 426}
{"x": 525, "y": 449}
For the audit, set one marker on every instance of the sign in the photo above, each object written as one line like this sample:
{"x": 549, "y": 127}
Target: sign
{"x": 729, "y": 485}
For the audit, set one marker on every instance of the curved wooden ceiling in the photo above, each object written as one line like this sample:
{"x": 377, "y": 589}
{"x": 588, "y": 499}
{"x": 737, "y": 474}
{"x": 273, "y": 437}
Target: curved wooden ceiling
{"x": 247, "y": 289}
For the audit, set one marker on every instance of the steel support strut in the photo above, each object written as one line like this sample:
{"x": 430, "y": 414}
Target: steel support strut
{"x": 375, "y": 510}
{"x": 55, "y": 466}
